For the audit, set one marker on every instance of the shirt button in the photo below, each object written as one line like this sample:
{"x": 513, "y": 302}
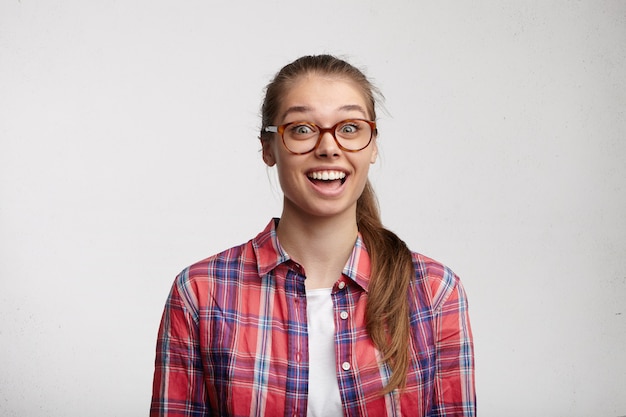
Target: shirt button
{"x": 345, "y": 366}
{"x": 343, "y": 315}
{"x": 342, "y": 285}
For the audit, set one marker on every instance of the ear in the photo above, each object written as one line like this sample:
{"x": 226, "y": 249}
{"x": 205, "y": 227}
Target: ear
{"x": 374, "y": 151}
{"x": 268, "y": 155}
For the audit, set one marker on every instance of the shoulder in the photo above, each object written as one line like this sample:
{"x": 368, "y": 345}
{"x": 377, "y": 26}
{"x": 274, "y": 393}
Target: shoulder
{"x": 436, "y": 279}
{"x": 199, "y": 283}
{"x": 220, "y": 274}
{"x": 221, "y": 265}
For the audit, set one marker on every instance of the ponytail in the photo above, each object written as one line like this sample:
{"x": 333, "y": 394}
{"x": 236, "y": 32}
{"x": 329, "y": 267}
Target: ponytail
{"x": 387, "y": 311}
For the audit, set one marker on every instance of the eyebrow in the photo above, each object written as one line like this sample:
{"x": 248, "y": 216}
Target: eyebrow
{"x": 306, "y": 109}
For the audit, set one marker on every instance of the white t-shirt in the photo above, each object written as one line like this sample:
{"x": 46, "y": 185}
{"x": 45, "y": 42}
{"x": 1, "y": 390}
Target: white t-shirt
{"x": 324, "y": 399}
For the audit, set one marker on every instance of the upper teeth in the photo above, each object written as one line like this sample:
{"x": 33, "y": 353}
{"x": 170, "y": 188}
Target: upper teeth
{"x": 327, "y": 175}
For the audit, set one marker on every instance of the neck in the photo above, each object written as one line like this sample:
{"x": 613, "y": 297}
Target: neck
{"x": 322, "y": 245}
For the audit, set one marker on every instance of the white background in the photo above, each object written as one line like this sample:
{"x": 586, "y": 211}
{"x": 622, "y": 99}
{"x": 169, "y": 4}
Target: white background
{"x": 128, "y": 151}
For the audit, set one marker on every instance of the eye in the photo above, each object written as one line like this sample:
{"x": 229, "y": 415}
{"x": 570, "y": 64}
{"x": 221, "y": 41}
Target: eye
{"x": 349, "y": 128}
{"x": 301, "y": 129}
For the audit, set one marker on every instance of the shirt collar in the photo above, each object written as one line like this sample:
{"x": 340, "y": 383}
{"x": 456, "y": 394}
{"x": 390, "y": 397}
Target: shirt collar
{"x": 270, "y": 254}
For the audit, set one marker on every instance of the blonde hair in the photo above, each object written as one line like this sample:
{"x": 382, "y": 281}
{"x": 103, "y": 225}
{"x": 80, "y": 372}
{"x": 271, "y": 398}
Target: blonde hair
{"x": 387, "y": 311}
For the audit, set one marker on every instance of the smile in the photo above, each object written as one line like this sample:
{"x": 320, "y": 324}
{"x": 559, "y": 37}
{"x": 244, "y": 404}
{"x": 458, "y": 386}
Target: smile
{"x": 327, "y": 176}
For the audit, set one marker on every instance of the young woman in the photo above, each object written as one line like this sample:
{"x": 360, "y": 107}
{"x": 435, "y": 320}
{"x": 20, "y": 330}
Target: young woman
{"x": 325, "y": 312}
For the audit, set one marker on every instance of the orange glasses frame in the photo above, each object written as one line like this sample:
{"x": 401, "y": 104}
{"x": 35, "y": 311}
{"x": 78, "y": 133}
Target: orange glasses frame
{"x": 322, "y": 130}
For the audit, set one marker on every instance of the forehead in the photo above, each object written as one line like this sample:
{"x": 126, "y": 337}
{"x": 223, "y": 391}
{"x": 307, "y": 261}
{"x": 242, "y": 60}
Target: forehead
{"x": 323, "y": 95}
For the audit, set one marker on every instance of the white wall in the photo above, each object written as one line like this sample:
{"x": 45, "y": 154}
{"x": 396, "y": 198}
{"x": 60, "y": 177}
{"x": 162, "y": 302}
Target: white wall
{"x": 128, "y": 150}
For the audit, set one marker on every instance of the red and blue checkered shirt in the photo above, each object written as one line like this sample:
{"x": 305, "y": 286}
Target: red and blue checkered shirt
{"x": 233, "y": 340}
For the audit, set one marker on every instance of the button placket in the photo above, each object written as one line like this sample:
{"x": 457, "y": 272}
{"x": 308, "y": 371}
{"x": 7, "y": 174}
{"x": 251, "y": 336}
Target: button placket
{"x": 296, "y": 300}
{"x": 342, "y": 309}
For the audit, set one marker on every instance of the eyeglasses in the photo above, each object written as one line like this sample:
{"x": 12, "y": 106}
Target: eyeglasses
{"x": 351, "y": 135}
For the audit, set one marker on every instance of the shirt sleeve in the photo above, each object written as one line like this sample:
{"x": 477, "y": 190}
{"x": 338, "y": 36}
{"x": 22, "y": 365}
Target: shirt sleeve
{"x": 179, "y": 385}
{"x": 454, "y": 380}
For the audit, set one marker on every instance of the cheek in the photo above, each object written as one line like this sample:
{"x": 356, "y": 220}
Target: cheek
{"x": 287, "y": 170}
{"x": 363, "y": 168}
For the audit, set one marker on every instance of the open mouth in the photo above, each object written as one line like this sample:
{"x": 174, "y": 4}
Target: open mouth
{"x": 327, "y": 177}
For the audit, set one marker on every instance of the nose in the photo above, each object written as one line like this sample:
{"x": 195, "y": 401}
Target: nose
{"x": 327, "y": 145}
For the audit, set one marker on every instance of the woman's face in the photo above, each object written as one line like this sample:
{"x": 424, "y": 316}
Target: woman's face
{"x": 324, "y": 101}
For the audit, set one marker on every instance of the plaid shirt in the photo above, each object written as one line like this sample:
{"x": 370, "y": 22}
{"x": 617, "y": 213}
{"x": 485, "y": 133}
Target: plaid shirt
{"x": 233, "y": 340}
